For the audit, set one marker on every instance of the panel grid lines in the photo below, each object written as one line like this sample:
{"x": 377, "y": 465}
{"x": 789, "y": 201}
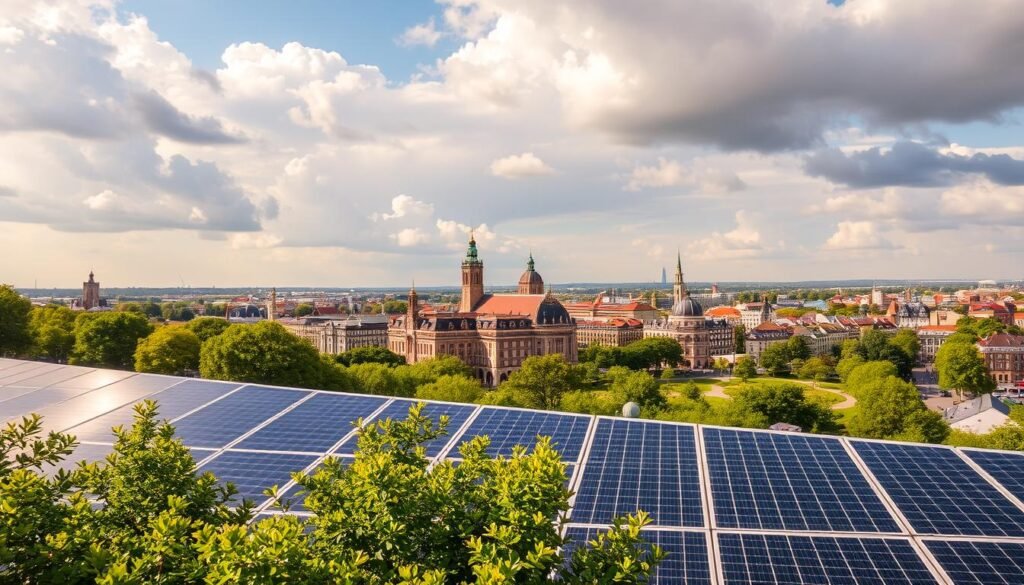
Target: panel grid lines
{"x": 772, "y": 481}
{"x": 508, "y": 428}
{"x": 315, "y": 425}
{"x": 938, "y": 492}
{"x": 1005, "y": 468}
{"x": 687, "y": 560}
{"x": 979, "y": 562}
{"x": 225, "y": 420}
{"x": 398, "y": 409}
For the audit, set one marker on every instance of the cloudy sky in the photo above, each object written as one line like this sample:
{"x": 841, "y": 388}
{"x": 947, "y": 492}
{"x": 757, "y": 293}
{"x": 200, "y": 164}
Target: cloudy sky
{"x": 345, "y": 143}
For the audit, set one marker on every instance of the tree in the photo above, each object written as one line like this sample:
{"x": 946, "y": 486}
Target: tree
{"x": 53, "y": 332}
{"x": 303, "y": 309}
{"x": 797, "y": 348}
{"x": 740, "y": 338}
{"x": 745, "y": 368}
{"x": 169, "y": 350}
{"x": 961, "y": 367}
{"x": 542, "y": 380}
{"x": 451, "y": 389}
{"x": 179, "y": 311}
{"x": 264, "y": 353}
{"x": 638, "y": 387}
{"x": 207, "y": 327}
{"x": 395, "y": 307}
{"x": 907, "y": 342}
{"x": 875, "y": 345}
{"x": 785, "y": 402}
{"x": 868, "y": 373}
{"x": 15, "y": 337}
{"x": 378, "y": 379}
{"x": 890, "y": 408}
{"x": 650, "y": 352}
{"x": 108, "y": 339}
{"x": 369, "y": 354}
{"x": 775, "y": 359}
{"x": 668, "y": 374}
{"x": 815, "y": 369}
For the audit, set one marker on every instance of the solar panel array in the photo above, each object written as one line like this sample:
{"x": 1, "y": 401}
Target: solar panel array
{"x": 730, "y": 506}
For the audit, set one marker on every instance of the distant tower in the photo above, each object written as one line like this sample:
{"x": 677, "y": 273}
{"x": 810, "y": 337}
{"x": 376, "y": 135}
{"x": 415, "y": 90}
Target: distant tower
{"x": 90, "y": 293}
{"x": 766, "y": 309}
{"x": 272, "y": 305}
{"x": 679, "y": 287}
{"x": 472, "y": 278}
{"x": 411, "y": 314}
{"x": 664, "y": 275}
{"x": 654, "y": 299}
{"x": 530, "y": 283}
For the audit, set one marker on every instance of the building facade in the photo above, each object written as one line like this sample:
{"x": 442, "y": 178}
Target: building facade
{"x": 1004, "y": 357}
{"x": 492, "y": 333}
{"x": 932, "y": 337}
{"x": 753, "y": 314}
{"x": 90, "y": 299}
{"x": 599, "y": 310}
{"x": 765, "y": 334}
{"x": 610, "y": 333}
{"x": 336, "y": 335}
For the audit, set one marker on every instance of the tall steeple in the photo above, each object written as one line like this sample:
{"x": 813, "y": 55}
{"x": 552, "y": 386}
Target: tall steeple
{"x": 412, "y": 307}
{"x": 679, "y": 286}
{"x": 472, "y": 278}
{"x": 272, "y": 305}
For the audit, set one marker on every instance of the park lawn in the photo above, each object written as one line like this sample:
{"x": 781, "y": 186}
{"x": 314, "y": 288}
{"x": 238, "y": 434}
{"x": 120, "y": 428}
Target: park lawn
{"x": 731, "y": 387}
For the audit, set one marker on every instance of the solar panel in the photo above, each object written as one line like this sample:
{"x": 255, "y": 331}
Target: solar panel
{"x": 6, "y": 363}
{"x": 938, "y": 492}
{"x": 315, "y": 425}
{"x": 252, "y": 473}
{"x": 64, "y": 412}
{"x": 296, "y": 493}
{"x": 1006, "y": 468}
{"x": 172, "y": 403}
{"x": 510, "y": 427}
{"x": 231, "y": 417}
{"x": 94, "y": 379}
{"x": 22, "y": 377}
{"x": 773, "y": 481}
{"x": 399, "y": 410}
{"x": 980, "y": 562}
{"x": 84, "y": 452}
{"x": 56, "y": 376}
{"x": 687, "y": 560}
{"x": 792, "y": 560}
{"x": 636, "y": 465}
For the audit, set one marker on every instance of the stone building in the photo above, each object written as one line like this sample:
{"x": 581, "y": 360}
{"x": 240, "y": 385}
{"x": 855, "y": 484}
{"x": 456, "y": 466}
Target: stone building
{"x": 612, "y": 333}
{"x": 765, "y": 334}
{"x": 491, "y": 333}
{"x": 1004, "y": 357}
{"x": 338, "y": 335}
{"x": 90, "y": 299}
{"x": 908, "y": 315}
{"x": 599, "y": 310}
{"x": 932, "y": 337}
{"x": 687, "y": 325}
{"x": 753, "y": 314}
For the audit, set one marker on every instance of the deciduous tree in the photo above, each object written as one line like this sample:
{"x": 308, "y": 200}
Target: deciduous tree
{"x": 53, "y": 332}
{"x": 263, "y": 352}
{"x": 109, "y": 339}
{"x": 15, "y": 337}
{"x": 169, "y": 350}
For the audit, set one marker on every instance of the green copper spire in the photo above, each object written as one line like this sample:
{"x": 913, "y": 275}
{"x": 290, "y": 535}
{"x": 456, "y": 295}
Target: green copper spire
{"x": 529, "y": 263}
{"x": 471, "y": 255}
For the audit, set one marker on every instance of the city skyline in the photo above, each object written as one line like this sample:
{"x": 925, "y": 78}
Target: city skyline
{"x": 349, "y": 144}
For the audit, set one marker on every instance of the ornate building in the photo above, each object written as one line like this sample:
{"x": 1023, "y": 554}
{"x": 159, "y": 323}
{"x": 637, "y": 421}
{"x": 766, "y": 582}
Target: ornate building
{"x": 614, "y": 332}
{"x": 1004, "y": 357}
{"x": 90, "y": 299}
{"x": 340, "y": 334}
{"x": 491, "y": 333}
{"x": 687, "y": 325}
{"x": 599, "y": 310}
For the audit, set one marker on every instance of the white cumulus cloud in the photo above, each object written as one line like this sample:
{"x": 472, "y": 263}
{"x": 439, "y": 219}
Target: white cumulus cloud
{"x": 518, "y": 166}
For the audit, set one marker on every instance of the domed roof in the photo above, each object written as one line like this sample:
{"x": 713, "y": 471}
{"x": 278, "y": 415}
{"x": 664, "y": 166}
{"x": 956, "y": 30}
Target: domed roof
{"x": 552, "y": 312}
{"x": 531, "y": 277}
{"x": 687, "y": 307}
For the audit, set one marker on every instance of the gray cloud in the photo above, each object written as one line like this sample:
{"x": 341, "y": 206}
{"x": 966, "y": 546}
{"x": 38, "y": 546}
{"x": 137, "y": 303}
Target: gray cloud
{"x": 909, "y": 164}
{"x": 163, "y": 118}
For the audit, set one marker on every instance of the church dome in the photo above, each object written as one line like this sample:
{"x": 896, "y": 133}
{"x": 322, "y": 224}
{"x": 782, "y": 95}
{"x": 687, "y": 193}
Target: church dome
{"x": 530, "y": 283}
{"x": 687, "y": 307}
{"x": 552, "y": 312}
{"x": 531, "y": 277}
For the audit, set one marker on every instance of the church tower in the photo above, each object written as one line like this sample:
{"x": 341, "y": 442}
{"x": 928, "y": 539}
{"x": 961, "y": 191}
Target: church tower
{"x": 90, "y": 293}
{"x": 679, "y": 287}
{"x": 472, "y": 278}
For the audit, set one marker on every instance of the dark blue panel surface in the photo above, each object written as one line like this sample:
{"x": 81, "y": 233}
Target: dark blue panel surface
{"x": 508, "y": 428}
{"x": 797, "y": 560}
{"x": 86, "y": 452}
{"x": 938, "y": 492}
{"x": 399, "y": 410}
{"x": 980, "y": 563}
{"x": 172, "y": 403}
{"x": 1006, "y": 468}
{"x": 55, "y": 376}
{"x": 231, "y": 417}
{"x": 252, "y": 473}
{"x": 775, "y": 481}
{"x": 315, "y": 425}
{"x": 637, "y": 465}
{"x": 687, "y": 560}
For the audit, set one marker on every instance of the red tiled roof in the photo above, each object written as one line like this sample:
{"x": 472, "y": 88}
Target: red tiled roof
{"x": 1002, "y": 340}
{"x": 722, "y": 312}
{"x": 937, "y": 328}
{"x": 509, "y": 305}
{"x": 768, "y": 326}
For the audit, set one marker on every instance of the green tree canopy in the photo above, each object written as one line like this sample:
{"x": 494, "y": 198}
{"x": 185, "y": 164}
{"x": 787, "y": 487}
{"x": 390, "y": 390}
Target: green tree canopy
{"x": 109, "y": 339}
{"x": 797, "y": 348}
{"x": 169, "y": 350}
{"x": 207, "y": 327}
{"x": 785, "y": 402}
{"x": 962, "y": 368}
{"x": 263, "y": 352}
{"x": 775, "y": 358}
{"x": 815, "y": 368}
{"x": 15, "y": 337}
{"x": 369, "y": 354}
{"x": 451, "y": 389}
{"x": 638, "y": 387}
{"x": 890, "y": 408}
{"x": 303, "y": 309}
{"x": 907, "y": 342}
{"x": 542, "y": 380}
{"x": 745, "y": 368}
{"x": 53, "y": 331}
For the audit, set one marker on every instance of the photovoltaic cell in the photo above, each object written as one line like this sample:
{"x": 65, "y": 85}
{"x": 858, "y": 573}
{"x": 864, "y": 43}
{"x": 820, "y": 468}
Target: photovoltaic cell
{"x": 646, "y": 466}
{"x": 315, "y": 425}
{"x": 172, "y": 403}
{"x": 69, "y": 407}
{"x": 227, "y": 419}
{"x": 509, "y": 427}
{"x": 1006, "y": 468}
{"x": 796, "y": 560}
{"x": 252, "y": 473}
{"x": 687, "y": 560}
{"x": 93, "y": 380}
{"x": 57, "y": 376}
{"x": 938, "y": 492}
{"x": 297, "y": 494}
{"x": 24, "y": 377}
{"x": 980, "y": 562}
{"x": 772, "y": 481}
{"x": 399, "y": 410}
